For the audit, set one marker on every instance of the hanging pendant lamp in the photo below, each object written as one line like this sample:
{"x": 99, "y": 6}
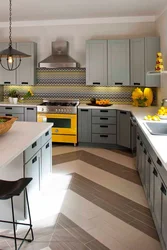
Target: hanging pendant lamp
{"x": 11, "y": 54}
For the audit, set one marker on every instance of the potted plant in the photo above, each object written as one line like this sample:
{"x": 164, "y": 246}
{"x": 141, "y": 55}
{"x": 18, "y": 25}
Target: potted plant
{"x": 13, "y": 96}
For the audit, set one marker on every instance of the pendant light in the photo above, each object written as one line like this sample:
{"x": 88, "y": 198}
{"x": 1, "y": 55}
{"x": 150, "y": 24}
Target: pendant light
{"x": 11, "y": 54}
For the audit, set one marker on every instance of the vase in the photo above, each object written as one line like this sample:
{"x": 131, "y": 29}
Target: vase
{"x": 10, "y": 99}
{"x": 15, "y": 100}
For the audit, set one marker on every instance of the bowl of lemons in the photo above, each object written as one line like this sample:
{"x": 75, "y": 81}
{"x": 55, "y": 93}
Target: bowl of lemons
{"x": 162, "y": 113}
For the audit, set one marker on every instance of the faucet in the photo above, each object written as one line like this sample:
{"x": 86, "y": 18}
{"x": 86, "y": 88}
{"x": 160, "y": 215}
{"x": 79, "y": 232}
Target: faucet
{"x": 164, "y": 102}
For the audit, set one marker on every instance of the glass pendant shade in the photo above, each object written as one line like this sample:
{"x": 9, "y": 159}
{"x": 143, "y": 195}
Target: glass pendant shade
{"x": 13, "y": 56}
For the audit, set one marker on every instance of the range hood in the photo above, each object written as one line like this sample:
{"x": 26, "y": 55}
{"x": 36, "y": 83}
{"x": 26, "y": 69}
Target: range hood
{"x": 59, "y": 57}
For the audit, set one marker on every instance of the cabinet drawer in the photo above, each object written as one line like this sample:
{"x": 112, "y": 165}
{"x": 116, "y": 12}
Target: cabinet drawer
{"x": 103, "y": 129}
{"x": 104, "y": 120}
{"x": 20, "y": 116}
{"x": 103, "y": 112}
{"x": 32, "y": 149}
{"x": 9, "y": 109}
{"x": 104, "y": 138}
{"x": 46, "y": 136}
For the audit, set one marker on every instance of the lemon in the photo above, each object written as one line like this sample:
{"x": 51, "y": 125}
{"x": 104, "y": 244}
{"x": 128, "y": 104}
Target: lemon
{"x": 145, "y": 118}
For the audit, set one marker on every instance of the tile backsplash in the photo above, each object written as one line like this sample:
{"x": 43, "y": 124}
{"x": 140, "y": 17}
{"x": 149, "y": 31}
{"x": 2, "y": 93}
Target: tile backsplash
{"x": 71, "y": 83}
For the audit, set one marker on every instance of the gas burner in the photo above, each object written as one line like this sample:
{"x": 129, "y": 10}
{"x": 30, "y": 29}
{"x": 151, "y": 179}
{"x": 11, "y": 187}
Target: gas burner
{"x": 58, "y": 106}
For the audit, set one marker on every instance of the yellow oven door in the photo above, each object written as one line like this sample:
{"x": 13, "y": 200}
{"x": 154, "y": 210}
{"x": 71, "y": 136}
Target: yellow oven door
{"x": 63, "y": 124}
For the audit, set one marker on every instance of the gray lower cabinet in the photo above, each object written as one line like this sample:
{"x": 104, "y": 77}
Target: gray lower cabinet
{"x": 123, "y": 129}
{"x": 118, "y": 62}
{"x": 164, "y": 213}
{"x": 96, "y": 62}
{"x": 137, "y": 62}
{"x": 46, "y": 160}
{"x": 84, "y": 125}
{"x": 32, "y": 169}
{"x": 30, "y": 114}
{"x": 153, "y": 176}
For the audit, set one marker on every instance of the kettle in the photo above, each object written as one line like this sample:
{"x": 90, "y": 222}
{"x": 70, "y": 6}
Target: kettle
{"x": 164, "y": 102}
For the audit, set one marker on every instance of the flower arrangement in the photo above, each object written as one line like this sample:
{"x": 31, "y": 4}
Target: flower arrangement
{"x": 142, "y": 98}
{"x": 28, "y": 94}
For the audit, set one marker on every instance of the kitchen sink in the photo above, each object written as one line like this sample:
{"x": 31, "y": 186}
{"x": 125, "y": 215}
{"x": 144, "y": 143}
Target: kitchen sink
{"x": 156, "y": 128}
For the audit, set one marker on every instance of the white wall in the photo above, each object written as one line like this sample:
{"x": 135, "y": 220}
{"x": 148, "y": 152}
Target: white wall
{"x": 77, "y": 35}
{"x": 161, "y": 29}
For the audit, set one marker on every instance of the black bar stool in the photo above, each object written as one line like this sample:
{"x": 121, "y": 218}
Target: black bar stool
{"x": 8, "y": 189}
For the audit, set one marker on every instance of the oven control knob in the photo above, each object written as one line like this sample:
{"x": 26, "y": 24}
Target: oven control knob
{"x": 55, "y": 110}
{"x": 56, "y": 130}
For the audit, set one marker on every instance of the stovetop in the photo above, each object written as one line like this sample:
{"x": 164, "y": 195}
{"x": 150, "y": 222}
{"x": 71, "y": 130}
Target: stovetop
{"x": 58, "y": 106}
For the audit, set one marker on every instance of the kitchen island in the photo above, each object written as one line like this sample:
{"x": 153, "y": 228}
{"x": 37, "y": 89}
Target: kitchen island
{"x": 25, "y": 151}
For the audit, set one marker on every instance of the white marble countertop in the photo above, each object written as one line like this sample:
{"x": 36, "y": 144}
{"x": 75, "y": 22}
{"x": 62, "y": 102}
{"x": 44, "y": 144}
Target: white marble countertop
{"x": 158, "y": 143}
{"x": 21, "y": 104}
{"x": 18, "y": 138}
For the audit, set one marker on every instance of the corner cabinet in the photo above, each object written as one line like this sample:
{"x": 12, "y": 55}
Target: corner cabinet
{"x": 26, "y": 73}
{"x": 123, "y": 129}
{"x": 96, "y": 62}
{"x": 118, "y": 63}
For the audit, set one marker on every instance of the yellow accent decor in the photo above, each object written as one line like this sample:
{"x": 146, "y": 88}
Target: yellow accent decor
{"x": 142, "y": 98}
{"x": 149, "y": 95}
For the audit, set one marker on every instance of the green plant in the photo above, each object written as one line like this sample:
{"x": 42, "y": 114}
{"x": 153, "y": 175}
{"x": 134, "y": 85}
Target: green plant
{"x": 13, "y": 93}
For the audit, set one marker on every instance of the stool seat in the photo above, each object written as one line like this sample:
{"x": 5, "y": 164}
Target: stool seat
{"x": 9, "y": 189}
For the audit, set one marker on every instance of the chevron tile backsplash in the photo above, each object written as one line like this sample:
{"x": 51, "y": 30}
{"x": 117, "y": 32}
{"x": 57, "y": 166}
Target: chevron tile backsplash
{"x": 71, "y": 83}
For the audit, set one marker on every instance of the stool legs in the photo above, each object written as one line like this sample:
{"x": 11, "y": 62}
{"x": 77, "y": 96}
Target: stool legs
{"x": 14, "y": 226}
{"x": 29, "y": 214}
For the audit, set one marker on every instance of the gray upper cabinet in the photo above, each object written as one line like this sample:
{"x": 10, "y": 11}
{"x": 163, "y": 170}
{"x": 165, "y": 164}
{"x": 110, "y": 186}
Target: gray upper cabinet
{"x": 118, "y": 63}
{"x": 84, "y": 125}
{"x": 26, "y": 73}
{"x": 96, "y": 62}
{"x": 152, "y": 46}
{"x": 7, "y": 77}
{"x": 123, "y": 129}
{"x": 137, "y": 62}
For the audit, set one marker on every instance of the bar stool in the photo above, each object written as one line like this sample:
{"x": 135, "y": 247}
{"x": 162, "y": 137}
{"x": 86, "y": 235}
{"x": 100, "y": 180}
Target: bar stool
{"x": 9, "y": 189}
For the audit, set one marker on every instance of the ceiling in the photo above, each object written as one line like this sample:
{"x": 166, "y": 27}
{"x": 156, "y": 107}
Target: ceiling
{"x": 28, "y": 10}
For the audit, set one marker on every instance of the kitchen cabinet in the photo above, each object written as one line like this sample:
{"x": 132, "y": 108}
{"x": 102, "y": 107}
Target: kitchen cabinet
{"x": 30, "y": 114}
{"x": 96, "y": 62}
{"x": 84, "y": 125}
{"x": 32, "y": 169}
{"x": 46, "y": 160}
{"x": 164, "y": 213}
{"x": 123, "y": 129}
{"x": 137, "y": 62}
{"x": 157, "y": 197}
{"x": 152, "y": 46}
{"x": 118, "y": 62}
{"x": 7, "y": 77}
{"x": 26, "y": 72}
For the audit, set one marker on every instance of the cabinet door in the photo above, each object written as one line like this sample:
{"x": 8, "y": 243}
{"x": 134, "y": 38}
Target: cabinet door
{"x": 118, "y": 63}
{"x": 133, "y": 135}
{"x": 7, "y": 77}
{"x": 147, "y": 176}
{"x": 20, "y": 117}
{"x": 123, "y": 128}
{"x": 151, "y": 184}
{"x": 157, "y": 197}
{"x": 164, "y": 213}
{"x": 32, "y": 169}
{"x": 96, "y": 62}
{"x": 84, "y": 125}
{"x": 26, "y": 73}
{"x": 138, "y": 152}
{"x": 46, "y": 166}
{"x": 152, "y": 46}
{"x": 137, "y": 62}
{"x": 30, "y": 114}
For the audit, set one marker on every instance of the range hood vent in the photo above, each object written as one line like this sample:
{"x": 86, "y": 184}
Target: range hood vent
{"x": 59, "y": 57}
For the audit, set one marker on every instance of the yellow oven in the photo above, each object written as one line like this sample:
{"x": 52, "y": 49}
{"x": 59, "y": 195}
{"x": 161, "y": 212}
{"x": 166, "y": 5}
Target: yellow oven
{"x": 64, "y": 126}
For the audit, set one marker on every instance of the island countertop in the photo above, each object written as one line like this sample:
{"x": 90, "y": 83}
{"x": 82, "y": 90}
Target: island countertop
{"x": 18, "y": 138}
